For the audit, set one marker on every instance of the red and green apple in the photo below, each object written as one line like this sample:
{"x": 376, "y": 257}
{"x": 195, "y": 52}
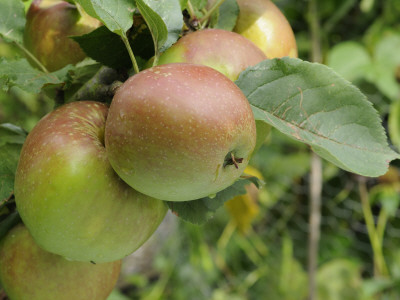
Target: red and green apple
{"x": 225, "y": 51}
{"x": 49, "y": 25}
{"x": 179, "y": 132}
{"x": 70, "y": 198}
{"x": 29, "y": 272}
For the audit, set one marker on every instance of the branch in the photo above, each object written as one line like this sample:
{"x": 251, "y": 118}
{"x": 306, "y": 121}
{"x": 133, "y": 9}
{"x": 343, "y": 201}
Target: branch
{"x": 101, "y": 87}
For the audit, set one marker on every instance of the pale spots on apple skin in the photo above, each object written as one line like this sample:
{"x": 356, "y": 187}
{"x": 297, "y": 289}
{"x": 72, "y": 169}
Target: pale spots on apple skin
{"x": 157, "y": 114}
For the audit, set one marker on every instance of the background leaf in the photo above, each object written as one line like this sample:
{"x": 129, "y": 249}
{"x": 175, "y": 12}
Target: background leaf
{"x": 227, "y": 15}
{"x": 155, "y": 24}
{"x": 171, "y": 14}
{"x": 350, "y": 59}
{"x": 11, "y": 141}
{"x": 116, "y": 14}
{"x": 394, "y": 123}
{"x": 198, "y": 4}
{"x": 8, "y": 222}
{"x": 312, "y": 104}
{"x": 112, "y": 54}
{"x": 12, "y": 20}
{"x": 20, "y": 73}
{"x": 200, "y": 211}
{"x": 386, "y": 62}
{"x": 183, "y": 4}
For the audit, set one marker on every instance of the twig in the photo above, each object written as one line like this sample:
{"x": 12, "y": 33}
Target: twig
{"x": 380, "y": 268}
{"x": 101, "y": 87}
{"x": 216, "y": 5}
{"x": 314, "y": 222}
{"x": 316, "y": 168}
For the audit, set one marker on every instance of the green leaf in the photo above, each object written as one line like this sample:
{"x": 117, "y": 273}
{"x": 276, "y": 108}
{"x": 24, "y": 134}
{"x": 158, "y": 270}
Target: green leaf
{"x": 155, "y": 23}
{"x": 311, "y": 103}
{"x": 21, "y": 74}
{"x": 11, "y": 134}
{"x": 201, "y": 210}
{"x": 263, "y": 131}
{"x": 227, "y": 15}
{"x": 376, "y": 286}
{"x": 9, "y": 222}
{"x": 97, "y": 88}
{"x": 394, "y": 123}
{"x": 117, "y": 15}
{"x": 349, "y": 59}
{"x": 12, "y": 20}
{"x": 171, "y": 14}
{"x": 11, "y": 141}
{"x": 112, "y": 54}
{"x": 387, "y": 196}
{"x": 183, "y": 4}
{"x": 198, "y": 4}
{"x": 339, "y": 279}
{"x": 386, "y": 61}
{"x": 78, "y": 76}
{"x": 117, "y": 295}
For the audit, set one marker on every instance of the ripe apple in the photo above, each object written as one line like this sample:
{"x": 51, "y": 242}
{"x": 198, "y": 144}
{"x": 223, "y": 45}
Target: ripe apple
{"x": 70, "y": 198}
{"x": 179, "y": 132}
{"x": 29, "y": 272}
{"x": 49, "y": 24}
{"x": 263, "y": 23}
{"x": 225, "y": 51}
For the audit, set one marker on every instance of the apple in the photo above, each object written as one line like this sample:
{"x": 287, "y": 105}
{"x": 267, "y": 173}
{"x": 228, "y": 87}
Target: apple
{"x": 49, "y": 24}
{"x": 179, "y": 132}
{"x": 225, "y": 51}
{"x": 70, "y": 198}
{"x": 29, "y": 272}
{"x": 263, "y": 23}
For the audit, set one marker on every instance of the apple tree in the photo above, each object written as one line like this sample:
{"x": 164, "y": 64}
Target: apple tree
{"x": 155, "y": 105}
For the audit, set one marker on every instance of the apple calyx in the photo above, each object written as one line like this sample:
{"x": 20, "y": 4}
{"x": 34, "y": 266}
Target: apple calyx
{"x": 230, "y": 159}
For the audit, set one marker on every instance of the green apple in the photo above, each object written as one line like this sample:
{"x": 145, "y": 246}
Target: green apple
{"x": 226, "y": 51}
{"x": 263, "y": 23}
{"x": 179, "y": 132}
{"x": 49, "y": 25}
{"x": 70, "y": 198}
{"x": 27, "y": 272}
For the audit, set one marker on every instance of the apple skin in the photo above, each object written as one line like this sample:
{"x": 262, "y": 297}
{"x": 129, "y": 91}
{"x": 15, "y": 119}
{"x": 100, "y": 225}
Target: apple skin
{"x": 70, "y": 198}
{"x": 263, "y": 23}
{"x": 49, "y": 24}
{"x": 29, "y": 272}
{"x": 225, "y": 51}
{"x": 171, "y": 128}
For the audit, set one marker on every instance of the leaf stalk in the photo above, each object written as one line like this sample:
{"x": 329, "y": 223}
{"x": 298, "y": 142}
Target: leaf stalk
{"x": 131, "y": 55}
{"x": 32, "y": 57}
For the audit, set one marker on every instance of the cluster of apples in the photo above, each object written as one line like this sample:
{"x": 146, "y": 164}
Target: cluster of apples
{"x": 92, "y": 180}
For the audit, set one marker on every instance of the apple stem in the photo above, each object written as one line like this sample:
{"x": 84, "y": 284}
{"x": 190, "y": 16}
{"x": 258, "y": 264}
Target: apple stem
{"x": 236, "y": 160}
{"x": 230, "y": 159}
